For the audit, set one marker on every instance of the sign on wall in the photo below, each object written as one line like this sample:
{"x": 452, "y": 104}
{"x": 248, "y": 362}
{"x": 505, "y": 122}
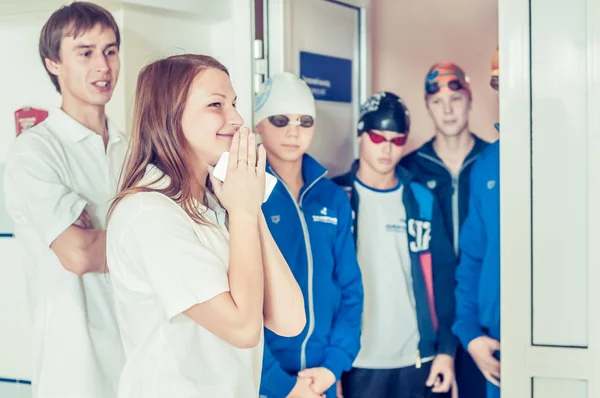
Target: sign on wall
{"x": 329, "y": 78}
{"x": 27, "y": 117}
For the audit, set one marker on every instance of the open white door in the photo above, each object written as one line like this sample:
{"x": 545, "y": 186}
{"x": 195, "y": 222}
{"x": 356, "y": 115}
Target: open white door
{"x": 550, "y": 219}
{"x": 324, "y": 42}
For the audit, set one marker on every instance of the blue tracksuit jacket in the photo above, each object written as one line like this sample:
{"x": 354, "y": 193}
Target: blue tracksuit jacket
{"x": 314, "y": 235}
{"x": 478, "y": 272}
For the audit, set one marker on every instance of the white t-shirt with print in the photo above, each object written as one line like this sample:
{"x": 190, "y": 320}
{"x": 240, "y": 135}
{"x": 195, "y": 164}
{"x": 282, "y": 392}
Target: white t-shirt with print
{"x": 390, "y": 333}
{"x": 163, "y": 263}
{"x": 54, "y": 171}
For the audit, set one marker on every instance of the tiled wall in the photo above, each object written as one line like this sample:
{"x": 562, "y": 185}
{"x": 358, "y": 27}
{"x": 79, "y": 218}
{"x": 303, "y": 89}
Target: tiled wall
{"x": 10, "y": 388}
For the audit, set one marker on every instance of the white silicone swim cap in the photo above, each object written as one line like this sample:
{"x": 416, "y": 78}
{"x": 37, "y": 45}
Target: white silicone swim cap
{"x": 283, "y": 94}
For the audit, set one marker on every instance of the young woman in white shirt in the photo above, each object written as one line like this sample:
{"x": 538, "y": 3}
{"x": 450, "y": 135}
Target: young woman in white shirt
{"x": 196, "y": 272}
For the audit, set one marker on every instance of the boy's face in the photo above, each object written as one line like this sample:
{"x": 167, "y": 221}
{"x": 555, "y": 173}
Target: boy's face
{"x": 449, "y": 111}
{"x": 382, "y": 150}
{"x": 89, "y": 66}
{"x": 287, "y": 137}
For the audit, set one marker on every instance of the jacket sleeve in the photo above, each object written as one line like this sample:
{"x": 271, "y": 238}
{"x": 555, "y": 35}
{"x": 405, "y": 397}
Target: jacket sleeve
{"x": 345, "y": 334}
{"x": 275, "y": 382}
{"x": 473, "y": 242}
{"x": 444, "y": 266}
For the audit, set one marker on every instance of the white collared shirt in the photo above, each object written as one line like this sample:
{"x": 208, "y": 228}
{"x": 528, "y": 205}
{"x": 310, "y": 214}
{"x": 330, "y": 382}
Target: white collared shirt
{"x": 162, "y": 263}
{"x": 54, "y": 171}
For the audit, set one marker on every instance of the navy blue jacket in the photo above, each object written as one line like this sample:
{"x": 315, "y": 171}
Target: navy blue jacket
{"x": 478, "y": 273}
{"x": 432, "y": 258}
{"x": 450, "y": 191}
{"x": 314, "y": 235}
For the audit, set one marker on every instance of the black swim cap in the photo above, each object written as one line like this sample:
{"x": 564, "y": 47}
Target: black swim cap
{"x": 384, "y": 111}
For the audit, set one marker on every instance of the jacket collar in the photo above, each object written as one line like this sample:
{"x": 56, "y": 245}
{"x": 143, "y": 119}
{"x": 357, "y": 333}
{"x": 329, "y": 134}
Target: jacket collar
{"x": 312, "y": 170}
{"x": 428, "y": 150}
{"x": 70, "y": 128}
{"x": 404, "y": 176}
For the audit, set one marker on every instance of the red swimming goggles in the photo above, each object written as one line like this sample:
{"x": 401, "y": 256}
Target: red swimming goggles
{"x": 378, "y": 139}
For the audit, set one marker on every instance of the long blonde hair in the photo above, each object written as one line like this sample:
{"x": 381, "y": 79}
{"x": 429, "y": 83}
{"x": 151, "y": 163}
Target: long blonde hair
{"x": 157, "y": 136}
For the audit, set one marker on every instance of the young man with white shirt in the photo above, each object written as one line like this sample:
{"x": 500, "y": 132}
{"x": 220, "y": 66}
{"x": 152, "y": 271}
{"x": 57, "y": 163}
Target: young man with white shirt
{"x": 60, "y": 178}
{"x": 407, "y": 263}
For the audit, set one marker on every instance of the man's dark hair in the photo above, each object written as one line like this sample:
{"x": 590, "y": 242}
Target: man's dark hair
{"x": 71, "y": 21}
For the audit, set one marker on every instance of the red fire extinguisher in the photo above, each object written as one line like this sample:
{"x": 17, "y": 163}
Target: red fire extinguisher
{"x": 28, "y": 117}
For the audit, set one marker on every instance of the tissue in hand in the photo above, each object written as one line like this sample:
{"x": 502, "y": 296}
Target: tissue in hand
{"x": 221, "y": 170}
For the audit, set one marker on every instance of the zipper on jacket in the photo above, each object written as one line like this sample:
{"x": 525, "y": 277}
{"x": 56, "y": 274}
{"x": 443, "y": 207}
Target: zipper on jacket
{"x": 311, "y": 308}
{"x": 455, "y": 194}
{"x": 455, "y": 220}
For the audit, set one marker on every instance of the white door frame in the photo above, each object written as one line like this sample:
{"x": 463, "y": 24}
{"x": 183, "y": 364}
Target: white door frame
{"x": 275, "y": 45}
{"x": 522, "y": 361}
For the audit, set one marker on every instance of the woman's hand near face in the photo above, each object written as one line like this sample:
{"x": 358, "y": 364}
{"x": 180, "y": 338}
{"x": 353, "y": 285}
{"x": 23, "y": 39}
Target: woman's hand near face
{"x": 243, "y": 191}
{"x": 237, "y": 316}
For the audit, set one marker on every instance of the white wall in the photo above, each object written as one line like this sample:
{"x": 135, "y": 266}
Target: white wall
{"x": 407, "y": 37}
{"x": 148, "y": 33}
{"x": 18, "y": 38}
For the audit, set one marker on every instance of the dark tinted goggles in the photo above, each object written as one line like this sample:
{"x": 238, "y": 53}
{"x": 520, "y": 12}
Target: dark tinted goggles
{"x": 280, "y": 121}
{"x": 432, "y": 87}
